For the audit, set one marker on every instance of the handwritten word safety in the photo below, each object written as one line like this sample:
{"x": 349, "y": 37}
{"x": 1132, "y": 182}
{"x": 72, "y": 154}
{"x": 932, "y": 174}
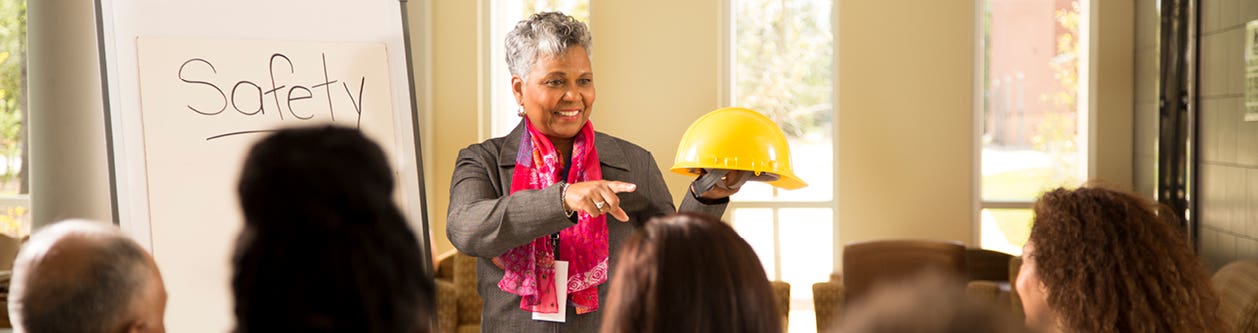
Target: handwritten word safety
{"x": 274, "y": 96}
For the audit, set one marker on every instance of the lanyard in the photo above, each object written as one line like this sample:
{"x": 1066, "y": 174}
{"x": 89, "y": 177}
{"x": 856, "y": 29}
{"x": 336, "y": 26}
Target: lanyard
{"x": 554, "y": 242}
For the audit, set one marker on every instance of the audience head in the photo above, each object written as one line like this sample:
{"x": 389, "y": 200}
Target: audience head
{"x": 1100, "y": 260}
{"x": 927, "y": 303}
{"x": 689, "y": 273}
{"x": 324, "y": 248}
{"x": 83, "y": 276}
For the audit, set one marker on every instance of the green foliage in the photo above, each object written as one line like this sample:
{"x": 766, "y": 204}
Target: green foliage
{"x": 12, "y": 84}
{"x": 784, "y": 61}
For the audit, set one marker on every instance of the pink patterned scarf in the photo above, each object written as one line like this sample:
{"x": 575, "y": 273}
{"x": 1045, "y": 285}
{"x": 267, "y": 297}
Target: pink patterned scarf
{"x": 530, "y": 268}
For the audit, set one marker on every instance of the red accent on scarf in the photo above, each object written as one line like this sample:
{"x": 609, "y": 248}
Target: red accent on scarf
{"x": 530, "y": 268}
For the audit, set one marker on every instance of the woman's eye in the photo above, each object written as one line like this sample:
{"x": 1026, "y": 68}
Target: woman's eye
{"x": 554, "y": 83}
{"x": 585, "y": 82}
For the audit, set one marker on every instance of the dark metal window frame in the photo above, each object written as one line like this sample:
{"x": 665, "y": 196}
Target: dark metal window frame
{"x": 1178, "y": 114}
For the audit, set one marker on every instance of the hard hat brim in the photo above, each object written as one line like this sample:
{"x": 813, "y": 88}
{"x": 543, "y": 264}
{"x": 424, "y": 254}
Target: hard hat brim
{"x": 786, "y": 180}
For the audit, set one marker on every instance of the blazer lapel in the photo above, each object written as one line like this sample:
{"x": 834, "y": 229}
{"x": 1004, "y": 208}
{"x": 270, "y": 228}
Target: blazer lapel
{"x": 510, "y": 147}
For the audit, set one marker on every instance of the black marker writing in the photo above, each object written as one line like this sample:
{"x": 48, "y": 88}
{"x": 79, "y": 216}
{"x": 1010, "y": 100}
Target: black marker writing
{"x": 220, "y": 91}
{"x": 246, "y": 92}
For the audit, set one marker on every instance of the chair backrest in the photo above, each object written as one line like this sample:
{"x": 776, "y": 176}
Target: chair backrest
{"x": 828, "y": 299}
{"x": 867, "y": 264}
{"x": 986, "y": 265}
{"x": 782, "y": 295}
{"x": 465, "y": 281}
{"x": 1237, "y": 286}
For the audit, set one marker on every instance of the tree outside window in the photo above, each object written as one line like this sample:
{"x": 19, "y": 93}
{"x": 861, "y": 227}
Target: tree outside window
{"x": 781, "y": 63}
{"x": 1030, "y": 112}
{"x": 14, "y": 179}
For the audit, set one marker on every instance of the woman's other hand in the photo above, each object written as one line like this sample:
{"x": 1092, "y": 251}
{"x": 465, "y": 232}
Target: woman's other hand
{"x": 729, "y": 183}
{"x": 597, "y": 197}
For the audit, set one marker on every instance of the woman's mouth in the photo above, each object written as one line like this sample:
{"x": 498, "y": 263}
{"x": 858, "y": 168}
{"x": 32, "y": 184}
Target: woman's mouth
{"x": 570, "y": 113}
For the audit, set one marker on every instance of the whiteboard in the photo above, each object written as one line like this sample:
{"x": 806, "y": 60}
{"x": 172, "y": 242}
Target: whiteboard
{"x": 190, "y": 85}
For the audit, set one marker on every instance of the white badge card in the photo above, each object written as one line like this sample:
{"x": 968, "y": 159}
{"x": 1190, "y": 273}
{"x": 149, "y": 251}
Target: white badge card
{"x": 561, "y": 292}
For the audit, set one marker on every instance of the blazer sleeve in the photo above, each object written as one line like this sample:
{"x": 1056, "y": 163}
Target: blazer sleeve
{"x": 662, "y": 202}
{"x": 483, "y": 221}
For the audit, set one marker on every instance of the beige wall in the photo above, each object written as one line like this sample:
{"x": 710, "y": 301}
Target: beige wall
{"x": 906, "y": 119}
{"x": 1111, "y": 95}
{"x": 1145, "y": 96}
{"x": 455, "y": 103}
{"x": 657, "y": 71}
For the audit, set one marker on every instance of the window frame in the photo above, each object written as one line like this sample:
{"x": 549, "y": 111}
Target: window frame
{"x": 727, "y": 79}
{"x": 1086, "y": 107}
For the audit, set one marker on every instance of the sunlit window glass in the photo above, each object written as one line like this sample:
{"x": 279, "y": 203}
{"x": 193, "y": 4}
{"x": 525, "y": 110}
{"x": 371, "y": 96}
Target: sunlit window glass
{"x": 1030, "y": 112}
{"x": 14, "y": 171}
{"x": 781, "y": 63}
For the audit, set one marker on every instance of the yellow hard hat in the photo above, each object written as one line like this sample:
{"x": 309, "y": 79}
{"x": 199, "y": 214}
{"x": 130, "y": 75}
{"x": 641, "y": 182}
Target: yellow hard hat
{"x": 737, "y": 139}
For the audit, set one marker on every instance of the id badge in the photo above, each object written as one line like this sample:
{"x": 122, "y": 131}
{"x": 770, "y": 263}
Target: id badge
{"x": 561, "y": 292}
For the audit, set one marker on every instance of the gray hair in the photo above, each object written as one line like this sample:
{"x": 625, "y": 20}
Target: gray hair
{"x": 94, "y": 298}
{"x": 546, "y": 34}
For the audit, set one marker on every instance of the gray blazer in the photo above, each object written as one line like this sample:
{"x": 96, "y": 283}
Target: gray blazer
{"x": 484, "y": 222}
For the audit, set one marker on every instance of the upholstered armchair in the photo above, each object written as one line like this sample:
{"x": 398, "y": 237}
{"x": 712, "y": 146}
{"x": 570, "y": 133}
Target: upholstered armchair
{"x": 1237, "y": 286}
{"x": 988, "y": 276}
{"x": 782, "y": 296}
{"x": 868, "y": 264}
{"x": 458, "y": 303}
{"x": 827, "y": 300}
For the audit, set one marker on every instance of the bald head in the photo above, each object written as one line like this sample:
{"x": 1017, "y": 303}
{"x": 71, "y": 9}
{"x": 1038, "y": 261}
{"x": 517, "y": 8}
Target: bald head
{"x": 81, "y": 276}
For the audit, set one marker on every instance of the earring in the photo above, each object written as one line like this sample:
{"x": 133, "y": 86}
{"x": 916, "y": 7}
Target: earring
{"x": 520, "y": 112}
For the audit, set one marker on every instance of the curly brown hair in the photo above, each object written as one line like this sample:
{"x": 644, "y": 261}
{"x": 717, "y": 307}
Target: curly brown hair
{"x": 1114, "y": 262}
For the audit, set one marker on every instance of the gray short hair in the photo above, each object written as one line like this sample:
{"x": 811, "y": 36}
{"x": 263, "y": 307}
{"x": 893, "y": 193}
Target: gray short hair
{"x": 546, "y": 34}
{"x": 95, "y": 299}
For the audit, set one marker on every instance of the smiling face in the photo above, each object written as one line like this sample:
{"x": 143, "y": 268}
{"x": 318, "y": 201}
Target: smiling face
{"x": 558, "y": 94}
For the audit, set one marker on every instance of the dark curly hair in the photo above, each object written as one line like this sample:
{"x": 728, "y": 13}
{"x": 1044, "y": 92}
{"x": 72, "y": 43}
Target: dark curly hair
{"x": 1114, "y": 262}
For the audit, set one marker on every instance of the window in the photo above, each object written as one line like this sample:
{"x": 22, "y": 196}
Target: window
{"x": 504, "y": 14}
{"x": 1033, "y": 134}
{"x": 781, "y": 63}
{"x": 14, "y": 179}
